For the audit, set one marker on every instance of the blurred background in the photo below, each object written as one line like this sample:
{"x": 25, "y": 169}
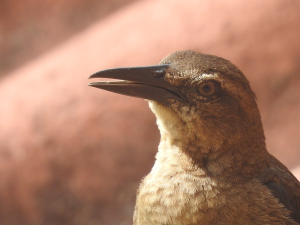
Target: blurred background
{"x": 71, "y": 154}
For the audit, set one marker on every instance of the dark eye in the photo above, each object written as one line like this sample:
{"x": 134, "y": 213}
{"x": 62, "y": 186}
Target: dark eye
{"x": 207, "y": 88}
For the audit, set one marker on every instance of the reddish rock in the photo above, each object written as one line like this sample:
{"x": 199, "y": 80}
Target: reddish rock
{"x": 30, "y": 27}
{"x": 72, "y": 154}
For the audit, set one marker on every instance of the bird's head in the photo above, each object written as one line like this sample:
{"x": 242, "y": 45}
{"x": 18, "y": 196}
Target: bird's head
{"x": 197, "y": 98}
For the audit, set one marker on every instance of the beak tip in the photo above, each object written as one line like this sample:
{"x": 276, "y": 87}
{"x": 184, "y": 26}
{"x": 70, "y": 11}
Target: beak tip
{"x": 91, "y": 76}
{"x": 96, "y": 75}
{"x": 91, "y": 84}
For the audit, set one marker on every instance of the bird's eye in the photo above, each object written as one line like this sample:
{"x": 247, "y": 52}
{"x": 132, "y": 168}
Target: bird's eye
{"x": 207, "y": 88}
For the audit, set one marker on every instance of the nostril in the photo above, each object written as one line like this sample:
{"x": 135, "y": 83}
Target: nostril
{"x": 161, "y": 71}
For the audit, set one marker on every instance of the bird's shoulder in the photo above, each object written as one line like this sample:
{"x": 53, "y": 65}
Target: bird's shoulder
{"x": 283, "y": 185}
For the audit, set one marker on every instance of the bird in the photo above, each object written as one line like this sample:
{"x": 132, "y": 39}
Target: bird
{"x": 212, "y": 166}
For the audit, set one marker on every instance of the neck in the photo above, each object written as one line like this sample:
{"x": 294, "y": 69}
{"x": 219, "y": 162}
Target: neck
{"x": 225, "y": 162}
{"x": 220, "y": 154}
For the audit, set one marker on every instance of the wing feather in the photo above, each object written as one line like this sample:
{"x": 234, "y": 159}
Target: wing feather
{"x": 284, "y": 186}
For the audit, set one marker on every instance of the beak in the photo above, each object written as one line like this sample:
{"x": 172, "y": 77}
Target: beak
{"x": 141, "y": 82}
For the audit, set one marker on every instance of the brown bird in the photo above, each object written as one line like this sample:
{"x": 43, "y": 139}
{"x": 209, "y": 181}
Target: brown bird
{"x": 212, "y": 165}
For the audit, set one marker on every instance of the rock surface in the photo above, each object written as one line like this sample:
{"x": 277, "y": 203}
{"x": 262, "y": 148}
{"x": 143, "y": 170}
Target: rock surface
{"x": 71, "y": 154}
{"x": 30, "y": 27}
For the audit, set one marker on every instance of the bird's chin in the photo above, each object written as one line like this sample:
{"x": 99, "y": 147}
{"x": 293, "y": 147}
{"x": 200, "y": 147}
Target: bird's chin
{"x": 163, "y": 112}
{"x": 158, "y": 108}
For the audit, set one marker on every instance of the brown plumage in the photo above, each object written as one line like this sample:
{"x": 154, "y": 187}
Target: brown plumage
{"x": 212, "y": 166}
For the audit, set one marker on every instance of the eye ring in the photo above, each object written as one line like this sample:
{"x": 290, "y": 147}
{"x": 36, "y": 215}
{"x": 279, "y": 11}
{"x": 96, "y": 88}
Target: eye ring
{"x": 207, "y": 88}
